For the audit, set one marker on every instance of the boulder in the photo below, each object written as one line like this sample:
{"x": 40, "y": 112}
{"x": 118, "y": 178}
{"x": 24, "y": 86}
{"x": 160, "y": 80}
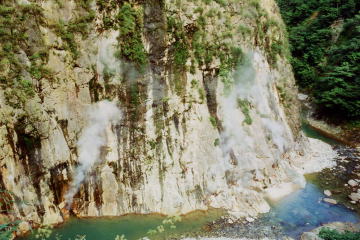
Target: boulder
{"x": 330, "y": 200}
{"x": 327, "y": 193}
{"x": 355, "y": 196}
{"x": 352, "y": 183}
{"x": 250, "y": 219}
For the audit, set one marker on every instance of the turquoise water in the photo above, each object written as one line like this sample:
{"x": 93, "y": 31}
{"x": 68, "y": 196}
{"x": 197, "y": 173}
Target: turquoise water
{"x": 304, "y": 210}
{"x": 131, "y": 226}
{"x": 312, "y": 133}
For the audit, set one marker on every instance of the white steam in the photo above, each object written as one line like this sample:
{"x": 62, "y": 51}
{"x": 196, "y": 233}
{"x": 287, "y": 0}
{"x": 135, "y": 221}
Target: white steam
{"x": 100, "y": 116}
{"x": 234, "y": 135}
{"x": 253, "y": 87}
{"x": 277, "y": 131}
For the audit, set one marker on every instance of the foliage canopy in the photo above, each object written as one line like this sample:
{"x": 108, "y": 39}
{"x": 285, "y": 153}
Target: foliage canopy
{"x": 325, "y": 41}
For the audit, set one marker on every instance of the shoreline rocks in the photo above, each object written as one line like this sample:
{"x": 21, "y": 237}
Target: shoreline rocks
{"x": 342, "y": 180}
{"x": 339, "y": 226}
{"x": 327, "y": 193}
{"x": 330, "y": 200}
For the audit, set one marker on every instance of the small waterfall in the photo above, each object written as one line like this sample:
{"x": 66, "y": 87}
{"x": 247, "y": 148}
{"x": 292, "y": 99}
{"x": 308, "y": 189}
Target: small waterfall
{"x": 92, "y": 138}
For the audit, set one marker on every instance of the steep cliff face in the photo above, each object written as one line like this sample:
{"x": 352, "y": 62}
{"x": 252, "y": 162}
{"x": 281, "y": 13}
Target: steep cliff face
{"x": 209, "y": 110}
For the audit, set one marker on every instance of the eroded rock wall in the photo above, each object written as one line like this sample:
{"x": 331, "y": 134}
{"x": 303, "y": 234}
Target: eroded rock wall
{"x": 210, "y": 116}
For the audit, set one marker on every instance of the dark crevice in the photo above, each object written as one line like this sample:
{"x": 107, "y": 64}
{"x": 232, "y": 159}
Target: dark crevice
{"x": 210, "y": 82}
{"x": 58, "y": 183}
{"x": 28, "y": 149}
{"x": 155, "y": 33}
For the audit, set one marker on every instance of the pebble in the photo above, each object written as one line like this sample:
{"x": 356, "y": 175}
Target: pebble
{"x": 354, "y": 196}
{"x": 327, "y": 193}
{"x": 352, "y": 183}
{"x": 330, "y": 200}
{"x": 250, "y": 219}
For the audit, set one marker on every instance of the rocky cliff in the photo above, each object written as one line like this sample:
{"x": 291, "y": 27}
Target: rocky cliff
{"x": 209, "y": 115}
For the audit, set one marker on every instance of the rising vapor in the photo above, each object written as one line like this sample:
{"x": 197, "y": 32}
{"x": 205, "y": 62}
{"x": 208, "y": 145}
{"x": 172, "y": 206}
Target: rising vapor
{"x": 93, "y": 137}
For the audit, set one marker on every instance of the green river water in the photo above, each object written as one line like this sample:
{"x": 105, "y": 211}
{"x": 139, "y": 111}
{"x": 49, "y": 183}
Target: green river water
{"x": 133, "y": 226}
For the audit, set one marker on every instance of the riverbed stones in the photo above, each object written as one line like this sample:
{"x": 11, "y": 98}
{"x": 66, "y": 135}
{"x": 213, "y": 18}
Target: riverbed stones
{"x": 310, "y": 236}
{"x": 330, "y": 200}
{"x": 259, "y": 229}
{"x": 352, "y": 183}
{"x": 327, "y": 193}
{"x": 250, "y": 219}
{"x": 355, "y": 196}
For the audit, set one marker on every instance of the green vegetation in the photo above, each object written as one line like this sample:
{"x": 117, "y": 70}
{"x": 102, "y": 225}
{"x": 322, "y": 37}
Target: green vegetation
{"x": 202, "y": 94}
{"x": 85, "y": 4}
{"x": 38, "y": 71}
{"x": 244, "y": 30}
{"x": 221, "y": 2}
{"x": 7, "y": 199}
{"x": 270, "y": 33}
{"x": 68, "y": 30}
{"x": 330, "y": 234}
{"x": 134, "y": 94}
{"x": 213, "y": 122}
{"x": 325, "y": 42}
{"x": 130, "y": 24}
{"x": 7, "y": 229}
{"x": 179, "y": 52}
{"x": 245, "y": 105}
{"x": 14, "y": 23}
{"x": 217, "y": 49}
{"x": 206, "y": 48}
{"x": 180, "y": 46}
